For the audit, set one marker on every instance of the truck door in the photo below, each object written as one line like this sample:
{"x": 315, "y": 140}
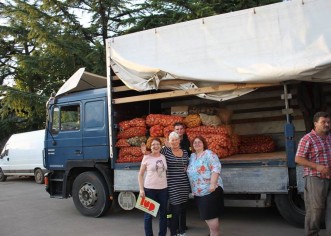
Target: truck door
{"x": 95, "y": 130}
{"x": 64, "y": 139}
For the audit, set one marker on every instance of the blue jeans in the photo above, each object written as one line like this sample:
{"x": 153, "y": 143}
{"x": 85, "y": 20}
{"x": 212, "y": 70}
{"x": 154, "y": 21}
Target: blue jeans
{"x": 160, "y": 196}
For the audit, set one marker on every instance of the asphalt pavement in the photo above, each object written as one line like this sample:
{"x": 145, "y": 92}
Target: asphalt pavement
{"x": 27, "y": 210}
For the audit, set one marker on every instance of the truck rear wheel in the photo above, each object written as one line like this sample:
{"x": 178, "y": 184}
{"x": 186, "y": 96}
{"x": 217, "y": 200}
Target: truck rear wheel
{"x": 90, "y": 194}
{"x": 291, "y": 207}
{"x": 2, "y": 176}
{"x": 39, "y": 176}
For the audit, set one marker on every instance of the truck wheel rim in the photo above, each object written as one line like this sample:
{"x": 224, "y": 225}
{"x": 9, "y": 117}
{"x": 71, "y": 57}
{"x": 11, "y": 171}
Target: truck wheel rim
{"x": 88, "y": 195}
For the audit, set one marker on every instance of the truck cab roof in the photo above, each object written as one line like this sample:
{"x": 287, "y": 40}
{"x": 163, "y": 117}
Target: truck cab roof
{"x": 80, "y": 95}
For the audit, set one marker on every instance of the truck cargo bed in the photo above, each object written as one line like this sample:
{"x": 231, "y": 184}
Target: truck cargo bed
{"x": 266, "y": 159}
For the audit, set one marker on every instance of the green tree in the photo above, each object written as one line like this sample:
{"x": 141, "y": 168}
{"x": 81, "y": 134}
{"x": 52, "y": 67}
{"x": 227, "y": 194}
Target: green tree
{"x": 43, "y": 42}
{"x": 155, "y": 13}
{"x": 104, "y": 20}
{"x": 39, "y": 53}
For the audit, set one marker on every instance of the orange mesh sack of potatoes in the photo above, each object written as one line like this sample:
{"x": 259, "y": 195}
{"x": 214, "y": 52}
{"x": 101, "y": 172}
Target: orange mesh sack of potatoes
{"x": 164, "y": 120}
{"x": 221, "y": 152}
{"x": 122, "y": 143}
{"x": 216, "y": 137}
{"x": 222, "y": 129}
{"x": 156, "y": 131}
{"x": 167, "y": 130}
{"x": 136, "y": 122}
{"x": 130, "y": 154}
{"x": 192, "y": 120}
{"x": 129, "y": 158}
{"x": 132, "y": 132}
{"x": 256, "y": 144}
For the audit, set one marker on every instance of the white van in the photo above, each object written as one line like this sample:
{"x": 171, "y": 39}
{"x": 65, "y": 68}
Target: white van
{"x": 23, "y": 156}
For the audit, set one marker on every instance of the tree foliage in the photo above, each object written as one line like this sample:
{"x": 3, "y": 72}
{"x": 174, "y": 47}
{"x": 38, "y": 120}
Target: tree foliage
{"x": 38, "y": 53}
{"x": 155, "y": 13}
{"x": 43, "y": 42}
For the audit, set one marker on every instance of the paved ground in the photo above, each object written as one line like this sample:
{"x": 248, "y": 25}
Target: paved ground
{"x": 26, "y": 209}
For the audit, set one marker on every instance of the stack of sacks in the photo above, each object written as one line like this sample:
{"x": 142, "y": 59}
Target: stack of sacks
{"x": 215, "y": 129}
{"x": 217, "y": 137}
{"x": 160, "y": 126}
{"x": 132, "y": 133}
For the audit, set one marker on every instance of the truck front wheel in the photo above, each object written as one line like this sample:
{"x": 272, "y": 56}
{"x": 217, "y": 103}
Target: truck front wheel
{"x": 90, "y": 194}
{"x": 291, "y": 207}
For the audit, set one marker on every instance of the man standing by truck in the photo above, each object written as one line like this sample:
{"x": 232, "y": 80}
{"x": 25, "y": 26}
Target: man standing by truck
{"x": 185, "y": 144}
{"x": 314, "y": 153}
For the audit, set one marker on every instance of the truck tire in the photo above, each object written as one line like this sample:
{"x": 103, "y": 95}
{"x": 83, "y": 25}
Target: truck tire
{"x": 2, "y": 176}
{"x": 39, "y": 176}
{"x": 291, "y": 207}
{"x": 90, "y": 194}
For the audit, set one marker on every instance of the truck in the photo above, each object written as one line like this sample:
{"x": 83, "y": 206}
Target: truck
{"x": 22, "y": 155}
{"x": 268, "y": 65}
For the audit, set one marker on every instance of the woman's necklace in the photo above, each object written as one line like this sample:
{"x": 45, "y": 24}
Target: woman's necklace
{"x": 175, "y": 151}
{"x": 179, "y": 163}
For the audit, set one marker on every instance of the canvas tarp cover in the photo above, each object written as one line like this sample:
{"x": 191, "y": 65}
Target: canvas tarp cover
{"x": 270, "y": 44}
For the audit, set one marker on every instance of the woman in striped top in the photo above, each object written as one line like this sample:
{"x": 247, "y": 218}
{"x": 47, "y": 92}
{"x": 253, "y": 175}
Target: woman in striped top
{"x": 178, "y": 183}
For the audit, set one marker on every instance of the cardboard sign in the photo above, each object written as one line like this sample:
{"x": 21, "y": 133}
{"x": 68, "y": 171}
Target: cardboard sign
{"x": 147, "y": 205}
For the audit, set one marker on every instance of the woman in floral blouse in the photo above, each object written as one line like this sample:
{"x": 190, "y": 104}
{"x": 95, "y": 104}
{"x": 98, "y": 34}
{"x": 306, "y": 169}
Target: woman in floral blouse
{"x": 207, "y": 186}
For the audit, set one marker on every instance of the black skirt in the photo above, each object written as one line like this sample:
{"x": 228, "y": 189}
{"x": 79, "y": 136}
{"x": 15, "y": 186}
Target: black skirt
{"x": 212, "y": 205}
